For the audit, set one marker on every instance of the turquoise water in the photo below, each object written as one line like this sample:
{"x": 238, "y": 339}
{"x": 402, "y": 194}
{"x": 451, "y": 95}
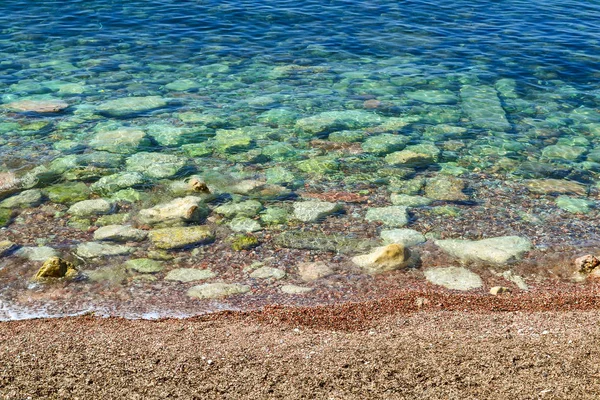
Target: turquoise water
{"x": 473, "y": 119}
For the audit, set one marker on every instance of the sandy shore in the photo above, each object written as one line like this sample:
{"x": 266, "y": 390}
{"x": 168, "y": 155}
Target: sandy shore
{"x": 381, "y": 349}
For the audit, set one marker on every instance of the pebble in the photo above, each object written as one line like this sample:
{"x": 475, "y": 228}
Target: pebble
{"x": 311, "y": 271}
{"x": 268, "y": 273}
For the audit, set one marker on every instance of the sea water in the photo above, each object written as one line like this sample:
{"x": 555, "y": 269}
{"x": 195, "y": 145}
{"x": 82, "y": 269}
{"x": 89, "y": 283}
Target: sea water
{"x": 246, "y": 153}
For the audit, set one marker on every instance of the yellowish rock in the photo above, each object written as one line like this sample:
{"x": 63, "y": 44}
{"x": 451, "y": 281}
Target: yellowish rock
{"x": 55, "y": 267}
{"x": 496, "y": 290}
{"x": 386, "y": 258}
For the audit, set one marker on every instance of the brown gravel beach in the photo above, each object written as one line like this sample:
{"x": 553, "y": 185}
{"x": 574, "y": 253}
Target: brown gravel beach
{"x": 415, "y": 345}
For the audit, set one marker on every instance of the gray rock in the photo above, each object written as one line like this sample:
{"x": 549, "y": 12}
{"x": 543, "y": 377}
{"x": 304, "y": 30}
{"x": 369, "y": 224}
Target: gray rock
{"x": 313, "y": 211}
{"x": 248, "y": 208}
{"x": 455, "y": 278}
{"x": 120, "y": 233}
{"x": 113, "y": 183}
{"x": 410, "y": 201}
{"x": 121, "y": 141}
{"x": 28, "y": 198}
{"x": 217, "y": 290}
{"x": 311, "y": 271}
{"x": 88, "y": 208}
{"x": 95, "y": 249}
{"x": 483, "y": 107}
{"x": 244, "y": 224}
{"x": 330, "y": 121}
{"x": 174, "y": 238}
{"x": 433, "y": 96}
{"x": 405, "y": 237}
{"x": 445, "y": 188}
{"x": 176, "y": 212}
{"x": 144, "y": 265}
{"x": 267, "y": 273}
{"x": 131, "y": 105}
{"x": 496, "y": 251}
{"x": 189, "y": 274}
{"x": 394, "y": 216}
{"x": 41, "y": 253}
{"x": 157, "y": 165}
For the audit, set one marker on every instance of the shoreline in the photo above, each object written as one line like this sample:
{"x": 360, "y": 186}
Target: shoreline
{"x": 386, "y": 348}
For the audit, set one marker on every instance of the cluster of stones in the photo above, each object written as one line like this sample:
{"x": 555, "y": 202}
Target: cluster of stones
{"x": 116, "y": 164}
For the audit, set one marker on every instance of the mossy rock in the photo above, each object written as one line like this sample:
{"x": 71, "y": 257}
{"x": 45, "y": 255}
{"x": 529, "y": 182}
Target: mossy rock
{"x": 68, "y": 193}
{"x": 244, "y": 242}
{"x": 55, "y": 267}
{"x": 5, "y": 216}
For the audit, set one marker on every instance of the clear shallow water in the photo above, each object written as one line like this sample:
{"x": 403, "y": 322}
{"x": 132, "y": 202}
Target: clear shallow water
{"x": 284, "y": 102}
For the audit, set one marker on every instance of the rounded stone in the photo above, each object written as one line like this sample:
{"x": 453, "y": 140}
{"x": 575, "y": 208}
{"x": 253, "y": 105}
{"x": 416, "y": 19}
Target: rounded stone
{"x": 456, "y": 278}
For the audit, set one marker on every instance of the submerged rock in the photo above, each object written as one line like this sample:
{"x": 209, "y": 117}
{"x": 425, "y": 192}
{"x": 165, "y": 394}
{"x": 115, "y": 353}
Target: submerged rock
{"x": 38, "y": 106}
{"x": 268, "y": 273}
{"x": 445, "y": 188}
{"x": 496, "y": 251}
{"x": 394, "y": 216}
{"x": 175, "y": 238}
{"x": 55, "y": 267}
{"x": 555, "y": 186}
{"x": 67, "y": 193}
{"x": 217, "y": 290}
{"x": 405, "y": 237}
{"x": 28, "y": 198}
{"x": 248, "y": 208}
{"x": 573, "y": 205}
{"x": 176, "y": 212}
{"x": 122, "y": 141}
{"x": 6, "y": 247}
{"x": 88, "y": 208}
{"x": 294, "y": 289}
{"x": 483, "y": 107}
{"x": 144, "y": 265}
{"x": 311, "y": 271}
{"x": 40, "y": 253}
{"x": 95, "y": 249}
{"x": 189, "y": 275}
{"x": 385, "y": 258}
{"x": 113, "y": 183}
{"x": 330, "y": 121}
{"x": 313, "y": 211}
{"x": 456, "y": 278}
{"x": 410, "y": 201}
{"x": 157, "y": 165}
{"x": 131, "y": 105}
{"x": 120, "y": 233}
{"x": 5, "y": 216}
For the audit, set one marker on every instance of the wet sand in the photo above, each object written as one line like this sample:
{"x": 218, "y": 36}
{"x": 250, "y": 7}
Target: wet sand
{"x": 425, "y": 346}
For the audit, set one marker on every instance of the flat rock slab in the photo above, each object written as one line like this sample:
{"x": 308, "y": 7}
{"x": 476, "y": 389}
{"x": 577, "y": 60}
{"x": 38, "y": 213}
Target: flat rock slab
{"x": 268, "y": 273}
{"x": 144, "y": 265}
{"x": 394, "y": 216}
{"x": 496, "y": 251}
{"x": 95, "y": 249}
{"x": 313, "y": 211}
{"x": 178, "y": 211}
{"x": 131, "y": 105}
{"x": 41, "y": 253}
{"x": 189, "y": 275}
{"x": 120, "y": 233}
{"x": 174, "y": 238}
{"x": 456, "y": 278}
{"x": 217, "y": 290}
{"x": 88, "y": 208}
{"x": 39, "y": 106}
{"x": 405, "y": 237}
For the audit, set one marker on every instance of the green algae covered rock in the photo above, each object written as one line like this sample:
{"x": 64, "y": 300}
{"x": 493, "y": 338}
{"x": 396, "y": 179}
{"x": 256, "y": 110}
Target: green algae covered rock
{"x": 384, "y": 143}
{"x": 5, "y": 217}
{"x": 68, "y": 193}
{"x": 244, "y": 242}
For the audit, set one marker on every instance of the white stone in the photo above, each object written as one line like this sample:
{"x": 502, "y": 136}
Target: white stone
{"x": 456, "y": 278}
